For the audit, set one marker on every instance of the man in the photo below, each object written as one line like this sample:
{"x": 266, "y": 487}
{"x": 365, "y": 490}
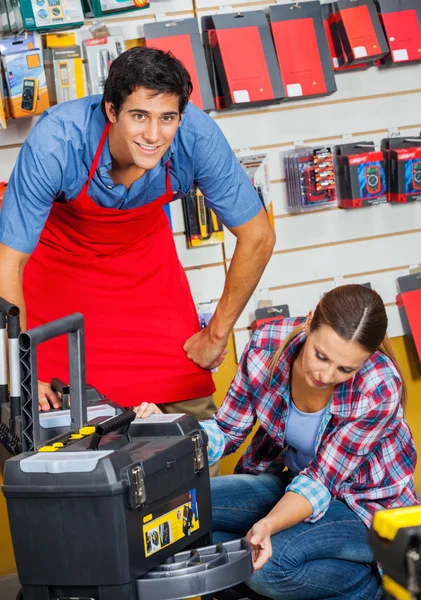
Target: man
{"x": 82, "y": 228}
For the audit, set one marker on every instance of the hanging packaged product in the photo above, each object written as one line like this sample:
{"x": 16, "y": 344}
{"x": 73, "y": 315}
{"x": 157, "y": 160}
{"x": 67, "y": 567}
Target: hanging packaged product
{"x": 401, "y": 20}
{"x": 3, "y": 122}
{"x": 310, "y": 178}
{"x": 241, "y": 60}
{"x": 24, "y": 77}
{"x": 99, "y": 54}
{"x": 302, "y": 50}
{"x": 44, "y": 15}
{"x": 403, "y": 166}
{"x": 99, "y": 8}
{"x": 339, "y": 61}
{"x": 183, "y": 39}
{"x": 360, "y": 31}
{"x": 268, "y": 314}
{"x": 361, "y": 175}
{"x": 257, "y": 168}
{"x": 63, "y": 67}
{"x": 12, "y": 17}
{"x": 409, "y": 302}
{"x": 203, "y": 227}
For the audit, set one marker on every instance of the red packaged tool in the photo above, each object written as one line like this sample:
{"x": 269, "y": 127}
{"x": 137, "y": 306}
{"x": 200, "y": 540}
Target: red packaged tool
{"x": 269, "y": 314}
{"x": 336, "y": 50}
{"x": 183, "y": 39}
{"x": 360, "y": 31}
{"x": 409, "y": 302}
{"x": 403, "y": 166}
{"x": 302, "y": 49}
{"x": 401, "y": 20}
{"x": 241, "y": 59}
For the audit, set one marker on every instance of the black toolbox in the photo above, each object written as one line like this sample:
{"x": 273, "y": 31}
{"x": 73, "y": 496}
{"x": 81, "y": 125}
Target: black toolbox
{"x": 111, "y": 509}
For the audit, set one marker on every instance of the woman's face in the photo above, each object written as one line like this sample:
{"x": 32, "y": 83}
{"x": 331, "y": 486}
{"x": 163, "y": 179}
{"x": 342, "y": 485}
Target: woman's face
{"x": 327, "y": 359}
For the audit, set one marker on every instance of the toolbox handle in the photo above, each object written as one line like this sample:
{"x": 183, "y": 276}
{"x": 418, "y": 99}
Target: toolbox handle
{"x": 10, "y": 315}
{"x": 28, "y": 342}
{"x": 113, "y": 424}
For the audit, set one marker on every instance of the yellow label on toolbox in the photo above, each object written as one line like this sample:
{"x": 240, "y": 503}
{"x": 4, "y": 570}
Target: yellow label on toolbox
{"x": 172, "y": 526}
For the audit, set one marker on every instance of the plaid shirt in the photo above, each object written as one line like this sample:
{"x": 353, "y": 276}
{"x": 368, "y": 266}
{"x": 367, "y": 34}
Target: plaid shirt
{"x": 365, "y": 453}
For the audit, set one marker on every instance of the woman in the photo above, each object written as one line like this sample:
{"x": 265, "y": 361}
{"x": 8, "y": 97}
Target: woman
{"x": 329, "y": 396}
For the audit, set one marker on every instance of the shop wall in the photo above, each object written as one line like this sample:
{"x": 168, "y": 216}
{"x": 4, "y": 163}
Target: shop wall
{"x": 314, "y": 252}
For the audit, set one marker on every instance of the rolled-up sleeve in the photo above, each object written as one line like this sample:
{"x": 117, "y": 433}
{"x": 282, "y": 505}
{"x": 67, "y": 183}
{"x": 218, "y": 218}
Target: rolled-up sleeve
{"x": 33, "y": 185}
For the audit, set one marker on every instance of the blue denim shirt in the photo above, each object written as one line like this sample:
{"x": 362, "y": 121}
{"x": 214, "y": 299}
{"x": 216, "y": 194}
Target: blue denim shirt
{"x": 55, "y": 159}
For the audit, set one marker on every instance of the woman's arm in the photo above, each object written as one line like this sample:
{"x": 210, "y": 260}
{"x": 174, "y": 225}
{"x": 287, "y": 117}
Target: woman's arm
{"x": 290, "y": 510}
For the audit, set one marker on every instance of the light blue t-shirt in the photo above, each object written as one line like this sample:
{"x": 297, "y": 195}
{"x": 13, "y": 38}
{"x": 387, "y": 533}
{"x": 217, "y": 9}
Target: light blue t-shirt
{"x": 55, "y": 159}
{"x": 300, "y": 435}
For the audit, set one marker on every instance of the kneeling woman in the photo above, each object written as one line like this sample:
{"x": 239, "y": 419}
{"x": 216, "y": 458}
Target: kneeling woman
{"x": 332, "y": 449}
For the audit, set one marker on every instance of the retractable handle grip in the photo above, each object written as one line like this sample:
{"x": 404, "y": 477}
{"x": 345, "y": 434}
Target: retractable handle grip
{"x": 73, "y": 326}
{"x": 10, "y": 314}
{"x": 113, "y": 424}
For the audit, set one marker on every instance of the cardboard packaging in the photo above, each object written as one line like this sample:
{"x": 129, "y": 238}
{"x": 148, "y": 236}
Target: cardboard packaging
{"x": 256, "y": 167}
{"x": 99, "y": 54}
{"x": 360, "y": 31}
{"x": 64, "y": 68}
{"x": 99, "y": 8}
{"x": 269, "y": 314}
{"x": 403, "y": 168}
{"x": 241, "y": 60}
{"x": 339, "y": 62}
{"x": 361, "y": 175}
{"x": 203, "y": 228}
{"x": 401, "y": 20}
{"x": 302, "y": 50}
{"x": 24, "y": 77}
{"x": 409, "y": 302}
{"x": 183, "y": 39}
{"x": 44, "y": 15}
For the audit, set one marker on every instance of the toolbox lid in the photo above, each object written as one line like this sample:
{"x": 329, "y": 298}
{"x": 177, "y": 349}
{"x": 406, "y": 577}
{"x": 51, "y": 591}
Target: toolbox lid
{"x": 63, "y": 462}
{"x": 61, "y": 418}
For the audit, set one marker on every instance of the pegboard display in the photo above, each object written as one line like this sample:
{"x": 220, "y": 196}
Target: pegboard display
{"x": 314, "y": 251}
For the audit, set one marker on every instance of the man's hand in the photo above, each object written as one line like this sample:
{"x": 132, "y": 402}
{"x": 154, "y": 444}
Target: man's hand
{"x": 261, "y": 546}
{"x": 146, "y": 409}
{"x": 204, "y": 350}
{"x": 46, "y": 397}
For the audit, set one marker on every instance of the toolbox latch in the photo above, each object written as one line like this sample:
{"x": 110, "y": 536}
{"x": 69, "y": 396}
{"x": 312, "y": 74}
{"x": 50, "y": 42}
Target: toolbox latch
{"x": 138, "y": 486}
{"x": 199, "y": 459}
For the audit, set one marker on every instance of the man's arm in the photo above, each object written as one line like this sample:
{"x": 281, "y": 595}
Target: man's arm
{"x": 255, "y": 242}
{"x": 12, "y": 264}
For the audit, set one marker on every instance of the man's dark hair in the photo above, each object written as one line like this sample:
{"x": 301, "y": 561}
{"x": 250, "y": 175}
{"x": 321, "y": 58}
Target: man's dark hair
{"x": 150, "y": 68}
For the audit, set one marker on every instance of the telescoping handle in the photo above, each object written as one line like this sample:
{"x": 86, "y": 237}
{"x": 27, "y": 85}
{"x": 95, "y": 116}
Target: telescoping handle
{"x": 71, "y": 325}
{"x": 10, "y": 321}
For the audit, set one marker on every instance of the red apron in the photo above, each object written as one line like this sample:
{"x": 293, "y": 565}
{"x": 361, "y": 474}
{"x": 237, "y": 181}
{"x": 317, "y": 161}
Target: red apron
{"x": 120, "y": 269}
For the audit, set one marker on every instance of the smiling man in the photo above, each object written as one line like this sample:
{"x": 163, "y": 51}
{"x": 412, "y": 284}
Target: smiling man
{"x": 83, "y": 229}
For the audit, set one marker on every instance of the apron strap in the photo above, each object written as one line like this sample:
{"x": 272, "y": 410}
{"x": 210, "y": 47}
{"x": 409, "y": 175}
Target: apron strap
{"x": 168, "y": 177}
{"x": 98, "y": 154}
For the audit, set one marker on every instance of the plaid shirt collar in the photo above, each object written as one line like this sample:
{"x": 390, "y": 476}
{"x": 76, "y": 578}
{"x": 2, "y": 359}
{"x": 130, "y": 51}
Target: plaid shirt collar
{"x": 279, "y": 383}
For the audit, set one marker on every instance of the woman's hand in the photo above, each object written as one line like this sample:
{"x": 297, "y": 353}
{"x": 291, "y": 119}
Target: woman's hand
{"x": 146, "y": 409}
{"x": 261, "y": 546}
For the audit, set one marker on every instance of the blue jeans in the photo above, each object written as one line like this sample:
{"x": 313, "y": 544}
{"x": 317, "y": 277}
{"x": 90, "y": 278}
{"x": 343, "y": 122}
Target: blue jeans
{"x": 329, "y": 559}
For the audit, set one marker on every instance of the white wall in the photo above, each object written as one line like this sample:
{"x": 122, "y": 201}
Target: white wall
{"x": 316, "y": 251}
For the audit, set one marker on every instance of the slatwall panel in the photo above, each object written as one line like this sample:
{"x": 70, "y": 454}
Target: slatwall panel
{"x": 314, "y": 251}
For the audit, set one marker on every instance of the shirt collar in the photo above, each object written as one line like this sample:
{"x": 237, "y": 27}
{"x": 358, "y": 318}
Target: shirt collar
{"x": 281, "y": 378}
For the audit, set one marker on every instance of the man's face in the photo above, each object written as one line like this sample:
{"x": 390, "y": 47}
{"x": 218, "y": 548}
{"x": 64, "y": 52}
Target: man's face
{"x": 144, "y": 128}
